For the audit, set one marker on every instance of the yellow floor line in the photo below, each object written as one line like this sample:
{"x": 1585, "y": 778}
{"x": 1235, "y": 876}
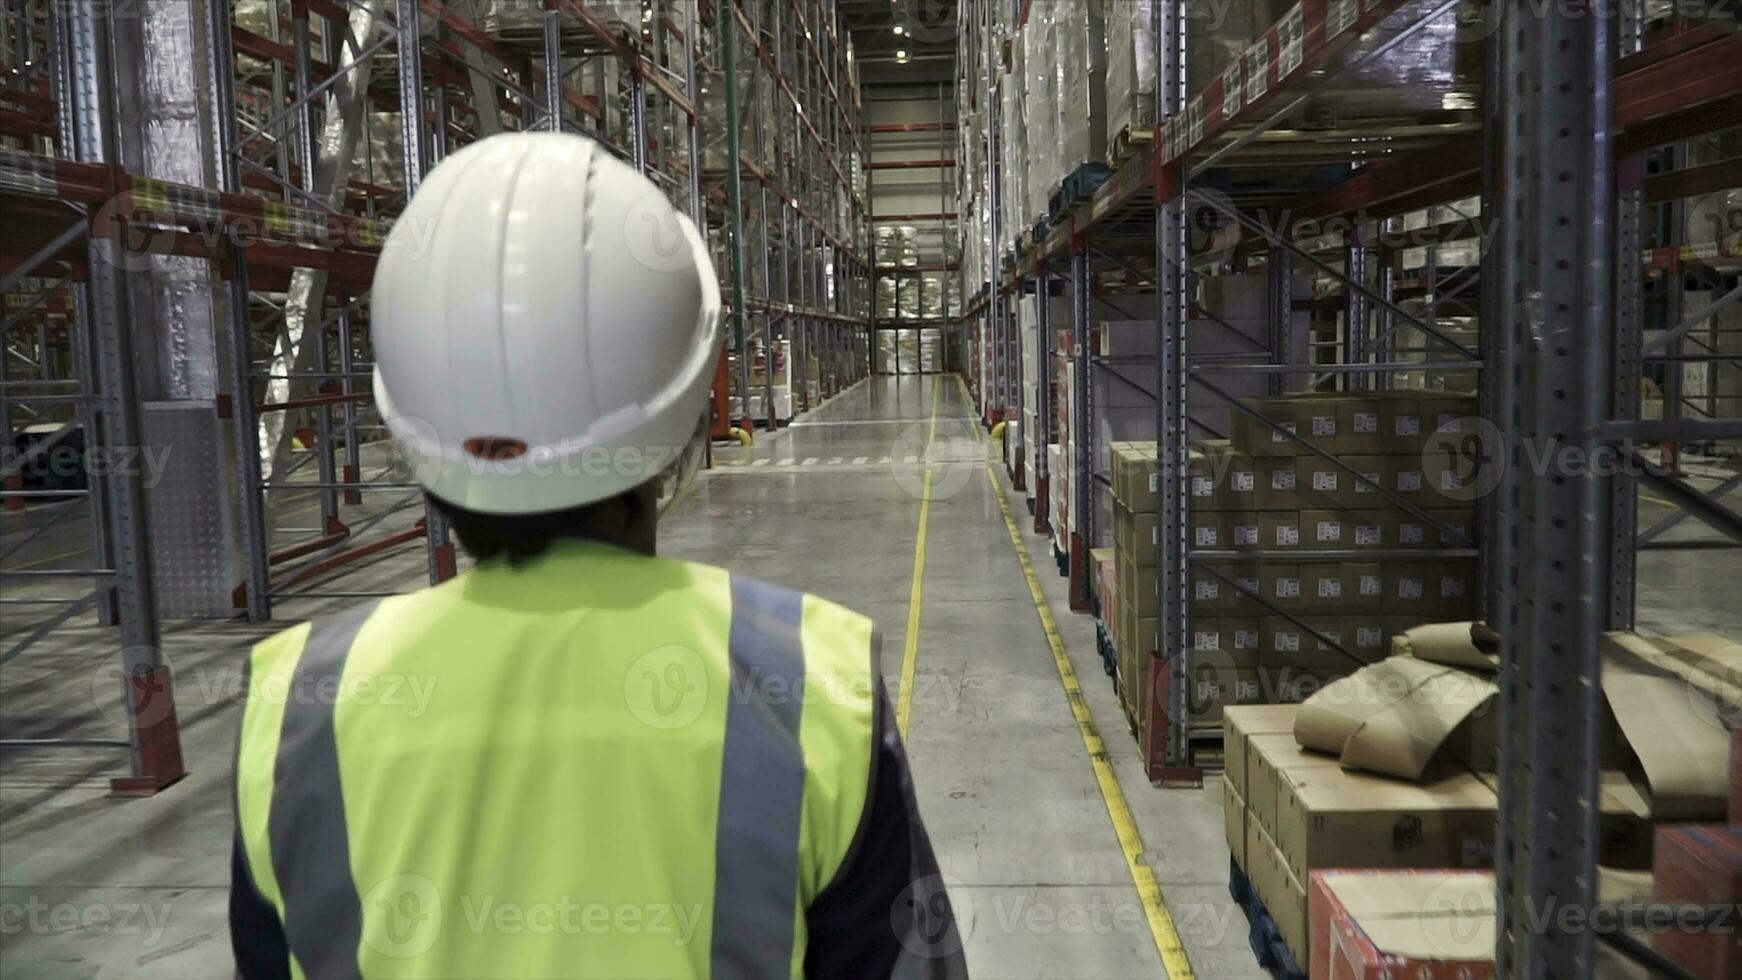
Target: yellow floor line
{"x": 910, "y": 656}
{"x": 1161, "y": 925}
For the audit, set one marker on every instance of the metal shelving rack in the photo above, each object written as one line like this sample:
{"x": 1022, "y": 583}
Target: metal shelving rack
{"x": 791, "y": 216}
{"x": 265, "y": 221}
{"x": 1602, "y": 111}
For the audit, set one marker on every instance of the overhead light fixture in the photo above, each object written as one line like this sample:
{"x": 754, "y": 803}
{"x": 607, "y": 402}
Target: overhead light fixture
{"x": 899, "y": 30}
{"x": 901, "y": 55}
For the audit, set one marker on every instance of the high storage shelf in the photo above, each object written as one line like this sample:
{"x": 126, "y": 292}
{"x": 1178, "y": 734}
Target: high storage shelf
{"x": 102, "y": 212}
{"x": 785, "y": 72}
{"x": 1567, "y": 113}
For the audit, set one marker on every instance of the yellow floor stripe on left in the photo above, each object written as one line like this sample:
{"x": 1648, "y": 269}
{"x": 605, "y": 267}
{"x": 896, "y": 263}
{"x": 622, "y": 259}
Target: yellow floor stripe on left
{"x": 1161, "y": 925}
{"x": 910, "y": 656}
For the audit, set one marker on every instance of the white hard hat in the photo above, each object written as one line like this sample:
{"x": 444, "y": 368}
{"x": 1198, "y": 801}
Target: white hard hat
{"x": 546, "y": 326}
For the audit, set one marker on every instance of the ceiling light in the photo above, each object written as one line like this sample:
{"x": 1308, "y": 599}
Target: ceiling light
{"x": 899, "y": 30}
{"x": 901, "y": 55}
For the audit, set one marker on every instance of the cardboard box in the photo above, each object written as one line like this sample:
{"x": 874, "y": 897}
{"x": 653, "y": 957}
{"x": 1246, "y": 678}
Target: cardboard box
{"x": 1234, "y": 821}
{"x": 1359, "y": 494}
{"x": 1284, "y": 644}
{"x": 1279, "y": 530}
{"x": 1406, "y": 590}
{"x": 1135, "y": 476}
{"x": 1452, "y": 588}
{"x": 1459, "y": 527}
{"x": 1205, "y": 532}
{"x": 1323, "y": 485}
{"x": 1327, "y": 588}
{"x": 1269, "y": 760}
{"x": 1699, "y": 865}
{"x": 1216, "y": 688}
{"x": 1243, "y": 531}
{"x": 1241, "y": 723}
{"x": 1329, "y": 818}
{"x": 1281, "y": 584}
{"x": 1361, "y": 421}
{"x": 1137, "y": 587}
{"x": 1368, "y": 580}
{"x": 1278, "y": 481}
{"x": 1227, "y": 642}
{"x": 1278, "y": 889}
{"x": 1210, "y": 595}
{"x": 1326, "y": 530}
{"x": 1218, "y": 478}
{"x": 1425, "y": 925}
{"x": 1372, "y": 529}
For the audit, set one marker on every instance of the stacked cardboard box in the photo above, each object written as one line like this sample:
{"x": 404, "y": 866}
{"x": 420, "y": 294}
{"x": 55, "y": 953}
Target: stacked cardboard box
{"x": 1134, "y": 484}
{"x": 1291, "y": 811}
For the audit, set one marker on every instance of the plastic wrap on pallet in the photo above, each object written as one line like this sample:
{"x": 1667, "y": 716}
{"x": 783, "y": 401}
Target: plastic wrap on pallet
{"x": 1013, "y": 152}
{"x": 254, "y": 16}
{"x": 1130, "y": 68}
{"x": 379, "y": 157}
{"x": 932, "y": 298}
{"x": 1218, "y": 35}
{"x": 1080, "y": 76}
{"x": 886, "y": 299}
{"x": 1040, "y": 116}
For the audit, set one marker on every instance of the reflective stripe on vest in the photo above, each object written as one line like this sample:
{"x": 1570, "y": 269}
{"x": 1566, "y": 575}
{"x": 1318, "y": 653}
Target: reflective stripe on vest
{"x": 770, "y": 854}
{"x": 761, "y": 788}
{"x": 323, "y": 919}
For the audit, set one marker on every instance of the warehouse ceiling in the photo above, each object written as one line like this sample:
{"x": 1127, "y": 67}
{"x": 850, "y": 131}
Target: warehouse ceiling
{"x": 928, "y": 29}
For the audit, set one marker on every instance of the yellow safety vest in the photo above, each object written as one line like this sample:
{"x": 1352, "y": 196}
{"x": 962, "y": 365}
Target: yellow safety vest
{"x": 597, "y": 765}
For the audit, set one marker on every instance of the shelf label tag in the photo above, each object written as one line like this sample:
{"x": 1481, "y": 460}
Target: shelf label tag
{"x": 1257, "y": 67}
{"x": 1291, "y": 36}
{"x": 1339, "y": 18}
{"x": 1232, "y": 95}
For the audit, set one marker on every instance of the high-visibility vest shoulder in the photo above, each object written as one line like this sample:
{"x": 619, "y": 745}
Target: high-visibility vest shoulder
{"x": 598, "y": 765}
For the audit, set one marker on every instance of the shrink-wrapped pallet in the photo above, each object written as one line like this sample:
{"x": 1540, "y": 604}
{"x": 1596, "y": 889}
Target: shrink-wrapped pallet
{"x": 1079, "y": 85}
{"x": 1040, "y": 113}
{"x": 1130, "y": 69}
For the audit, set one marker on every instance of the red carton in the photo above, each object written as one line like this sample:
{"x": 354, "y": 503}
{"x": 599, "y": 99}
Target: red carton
{"x": 1699, "y": 864}
{"x": 1384, "y": 923}
{"x": 1736, "y": 776}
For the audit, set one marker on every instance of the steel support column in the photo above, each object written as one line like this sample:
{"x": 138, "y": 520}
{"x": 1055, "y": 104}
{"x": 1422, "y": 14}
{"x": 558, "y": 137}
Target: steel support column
{"x": 1043, "y": 436}
{"x": 1082, "y": 436}
{"x": 1560, "y": 237}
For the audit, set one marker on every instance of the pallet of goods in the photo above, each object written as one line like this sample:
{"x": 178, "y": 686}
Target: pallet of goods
{"x": 1383, "y": 784}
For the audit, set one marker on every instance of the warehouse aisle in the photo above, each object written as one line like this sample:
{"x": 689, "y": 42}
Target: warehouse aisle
{"x": 833, "y": 505}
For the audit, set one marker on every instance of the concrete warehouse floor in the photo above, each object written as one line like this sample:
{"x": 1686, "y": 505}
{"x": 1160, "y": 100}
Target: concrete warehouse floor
{"x": 98, "y": 887}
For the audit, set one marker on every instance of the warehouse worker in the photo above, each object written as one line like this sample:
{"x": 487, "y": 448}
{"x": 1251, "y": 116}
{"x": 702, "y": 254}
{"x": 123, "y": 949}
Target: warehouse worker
{"x": 618, "y": 765}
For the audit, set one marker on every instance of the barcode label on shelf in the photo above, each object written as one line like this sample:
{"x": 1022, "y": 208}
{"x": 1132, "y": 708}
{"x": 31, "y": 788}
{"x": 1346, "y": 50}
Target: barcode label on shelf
{"x": 1245, "y": 639}
{"x": 1409, "y": 588}
{"x": 1368, "y": 535}
{"x": 1409, "y": 481}
{"x": 1202, "y": 486}
{"x": 1206, "y": 590}
{"x": 1453, "y": 533}
{"x": 1367, "y": 423}
{"x": 1363, "y": 487}
{"x": 1244, "y": 482}
{"x": 1372, "y": 585}
{"x": 1330, "y": 588}
{"x": 1450, "y": 481}
{"x": 1232, "y": 96}
{"x": 1207, "y": 640}
{"x": 1154, "y": 482}
{"x": 1291, "y": 36}
{"x": 1324, "y": 481}
{"x": 1248, "y": 584}
{"x": 1330, "y": 531}
{"x": 1324, "y": 425}
{"x": 1195, "y": 122}
{"x": 1288, "y": 642}
{"x": 1276, "y": 436}
{"x": 1409, "y": 534}
{"x": 1282, "y": 480}
{"x": 1246, "y": 535}
{"x": 1451, "y": 587}
{"x": 1339, "y": 17}
{"x": 1257, "y": 68}
{"x": 1206, "y": 537}
{"x": 1288, "y": 588}
{"x": 1287, "y": 537}
{"x": 1367, "y": 637}
{"x": 1407, "y": 425}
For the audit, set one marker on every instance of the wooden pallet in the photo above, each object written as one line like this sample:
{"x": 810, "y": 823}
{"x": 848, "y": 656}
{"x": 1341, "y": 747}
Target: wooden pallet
{"x": 1263, "y": 935}
{"x": 1128, "y": 144}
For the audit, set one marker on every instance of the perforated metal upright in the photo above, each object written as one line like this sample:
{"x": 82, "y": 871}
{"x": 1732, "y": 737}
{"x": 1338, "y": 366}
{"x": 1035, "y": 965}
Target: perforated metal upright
{"x": 1560, "y": 238}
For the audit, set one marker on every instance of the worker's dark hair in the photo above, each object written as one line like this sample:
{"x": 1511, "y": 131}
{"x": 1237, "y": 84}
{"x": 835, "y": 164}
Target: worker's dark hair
{"x": 520, "y": 538}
